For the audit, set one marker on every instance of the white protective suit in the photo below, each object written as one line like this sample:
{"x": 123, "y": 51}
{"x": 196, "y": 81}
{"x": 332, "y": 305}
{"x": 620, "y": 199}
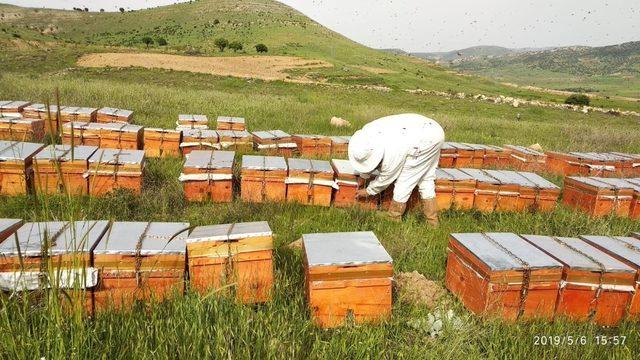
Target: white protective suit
{"x": 412, "y": 145}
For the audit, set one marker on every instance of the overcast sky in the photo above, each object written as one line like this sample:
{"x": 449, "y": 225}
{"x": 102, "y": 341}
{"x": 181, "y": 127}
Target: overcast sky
{"x": 428, "y": 25}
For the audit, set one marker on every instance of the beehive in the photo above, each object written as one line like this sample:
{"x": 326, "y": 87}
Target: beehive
{"x": 487, "y": 189}
{"x": 111, "y": 169}
{"x": 274, "y": 142}
{"x": 39, "y": 111}
{"x": 58, "y": 169}
{"x": 235, "y": 140}
{"x": 500, "y": 274}
{"x": 10, "y": 108}
{"x": 340, "y": 145}
{"x": 263, "y": 178}
{"x": 8, "y": 227}
{"x": 591, "y": 164}
{"x": 21, "y": 129}
{"x": 196, "y": 139}
{"x": 626, "y": 250}
{"x": 192, "y": 122}
{"x": 16, "y": 170}
{"x": 454, "y": 188}
{"x": 103, "y": 135}
{"x": 525, "y": 159}
{"x": 162, "y": 142}
{"x": 594, "y": 285}
{"x": 310, "y": 182}
{"x": 496, "y": 156}
{"x": 459, "y": 155}
{"x": 634, "y": 212}
{"x": 546, "y": 192}
{"x": 348, "y": 181}
{"x": 233, "y": 256}
{"x": 80, "y": 114}
{"x": 208, "y": 175}
{"x": 348, "y": 276}
{"x": 140, "y": 261}
{"x": 110, "y": 115}
{"x": 313, "y": 145}
{"x": 231, "y": 123}
{"x": 597, "y": 196}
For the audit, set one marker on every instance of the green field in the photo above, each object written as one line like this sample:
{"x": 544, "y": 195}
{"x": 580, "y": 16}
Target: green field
{"x": 33, "y": 65}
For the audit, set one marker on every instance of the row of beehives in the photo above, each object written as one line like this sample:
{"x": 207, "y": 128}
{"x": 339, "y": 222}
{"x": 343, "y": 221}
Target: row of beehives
{"x": 591, "y": 278}
{"x": 112, "y": 265}
{"x": 603, "y": 196}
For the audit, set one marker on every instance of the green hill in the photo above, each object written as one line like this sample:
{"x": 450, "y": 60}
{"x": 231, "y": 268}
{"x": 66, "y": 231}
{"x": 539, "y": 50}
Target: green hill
{"x": 471, "y": 52}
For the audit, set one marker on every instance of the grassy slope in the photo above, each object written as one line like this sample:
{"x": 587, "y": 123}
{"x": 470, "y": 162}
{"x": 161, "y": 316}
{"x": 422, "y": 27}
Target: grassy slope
{"x": 196, "y": 327}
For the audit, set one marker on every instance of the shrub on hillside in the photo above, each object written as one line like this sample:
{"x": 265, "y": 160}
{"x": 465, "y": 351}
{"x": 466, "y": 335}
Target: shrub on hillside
{"x": 147, "y": 40}
{"x": 161, "y": 41}
{"x": 578, "y": 99}
{"x": 262, "y": 48}
{"x": 235, "y": 46}
{"x": 221, "y": 43}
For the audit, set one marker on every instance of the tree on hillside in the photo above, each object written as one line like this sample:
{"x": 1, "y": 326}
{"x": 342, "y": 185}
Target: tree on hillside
{"x": 147, "y": 40}
{"x": 121, "y": 10}
{"x": 578, "y": 99}
{"x": 161, "y": 41}
{"x": 221, "y": 43}
{"x": 262, "y": 48}
{"x": 236, "y": 46}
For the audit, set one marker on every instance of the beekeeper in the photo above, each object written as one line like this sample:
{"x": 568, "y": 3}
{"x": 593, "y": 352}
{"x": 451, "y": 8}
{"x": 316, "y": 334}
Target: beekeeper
{"x": 405, "y": 149}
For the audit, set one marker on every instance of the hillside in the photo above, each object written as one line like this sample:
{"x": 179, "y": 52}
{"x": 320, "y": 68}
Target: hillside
{"x": 468, "y": 53}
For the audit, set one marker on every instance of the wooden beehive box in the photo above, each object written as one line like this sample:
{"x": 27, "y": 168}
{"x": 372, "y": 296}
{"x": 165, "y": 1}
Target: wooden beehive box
{"x": 233, "y": 256}
{"x": 496, "y": 156}
{"x": 634, "y": 212}
{"x": 459, "y": 155}
{"x": 594, "y": 285}
{"x": 500, "y": 274}
{"x": 140, "y": 261}
{"x": 313, "y": 145}
{"x": 235, "y": 140}
{"x": 448, "y": 156}
{"x": 454, "y": 188}
{"x": 510, "y": 197}
{"x": 626, "y": 250}
{"x": 525, "y": 159}
{"x": 192, "y": 122}
{"x": 274, "y": 142}
{"x": 263, "y": 178}
{"x": 16, "y": 172}
{"x": 111, "y": 169}
{"x": 231, "y": 123}
{"x": 347, "y": 276}
{"x": 21, "y": 129}
{"x": 103, "y": 135}
{"x": 546, "y": 192}
{"x": 197, "y": 139}
{"x": 110, "y": 115}
{"x": 39, "y": 111}
{"x": 162, "y": 142}
{"x": 340, "y": 145}
{"x": 208, "y": 175}
{"x": 348, "y": 181}
{"x": 74, "y": 113}
{"x": 8, "y": 227}
{"x": 487, "y": 189}
{"x": 310, "y": 182}
{"x": 630, "y": 164}
{"x": 58, "y": 169}
{"x": 577, "y": 163}
{"x": 597, "y": 197}
{"x": 10, "y": 108}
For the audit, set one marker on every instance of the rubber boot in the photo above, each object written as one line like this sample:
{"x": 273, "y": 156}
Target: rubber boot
{"x": 430, "y": 211}
{"x": 396, "y": 210}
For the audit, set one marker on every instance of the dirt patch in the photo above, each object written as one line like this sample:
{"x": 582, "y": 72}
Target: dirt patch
{"x": 9, "y": 16}
{"x": 376, "y": 70}
{"x": 255, "y": 67}
{"x": 416, "y": 289}
{"x": 296, "y": 245}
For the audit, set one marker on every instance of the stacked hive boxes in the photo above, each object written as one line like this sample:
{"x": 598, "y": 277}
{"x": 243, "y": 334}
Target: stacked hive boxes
{"x": 525, "y": 159}
{"x": 274, "y": 142}
{"x": 236, "y": 140}
{"x": 61, "y": 169}
{"x": 140, "y": 261}
{"x": 313, "y": 145}
{"x": 199, "y": 139}
{"x": 162, "y": 142}
{"x": 310, "y": 182}
{"x": 593, "y": 164}
{"x": 208, "y": 175}
{"x": 109, "y": 115}
{"x": 348, "y": 181}
{"x": 455, "y": 189}
{"x": 111, "y": 169}
{"x": 340, "y": 145}
{"x": 39, "y": 111}
{"x": 263, "y": 178}
{"x": 109, "y": 136}
{"x": 79, "y": 114}
{"x": 231, "y": 123}
{"x": 10, "y": 108}
{"x": 21, "y": 129}
{"x": 16, "y": 159}
{"x": 347, "y": 276}
{"x": 603, "y": 196}
{"x": 192, "y": 122}
{"x": 233, "y": 254}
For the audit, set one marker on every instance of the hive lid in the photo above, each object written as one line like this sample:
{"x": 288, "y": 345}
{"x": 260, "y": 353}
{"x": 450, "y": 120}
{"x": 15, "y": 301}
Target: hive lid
{"x": 225, "y": 232}
{"x": 200, "y": 133}
{"x": 459, "y": 146}
{"x": 343, "y": 167}
{"x": 79, "y": 236}
{"x": 6, "y": 224}
{"x": 620, "y": 183}
{"x": 84, "y": 111}
{"x": 539, "y": 181}
{"x": 13, "y": 104}
{"x": 117, "y": 157}
{"x": 588, "y": 156}
{"x": 31, "y": 237}
{"x": 524, "y": 150}
{"x": 234, "y": 133}
{"x": 627, "y": 248}
{"x": 453, "y": 175}
{"x": 253, "y": 162}
{"x": 597, "y": 183}
{"x": 231, "y": 119}
{"x": 115, "y": 112}
{"x": 209, "y": 159}
{"x": 319, "y": 166}
{"x": 510, "y": 178}
{"x": 492, "y": 255}
{"x": 15, "y": 150}
{"x": 193, "y": 118}
{"x": 309, "y": 136}
{"x": 340, "y": 139}
{"x": 347, "y": 248}
{"x": 481, "y": 176}
{"x": 17, "y": 120}
{"x": 63, "y": 152}
{"x": 123, "y": 239}
{"x": 534, "y": 257}
{"x": 634, "y": 182}
{"x": 42, "y": 108}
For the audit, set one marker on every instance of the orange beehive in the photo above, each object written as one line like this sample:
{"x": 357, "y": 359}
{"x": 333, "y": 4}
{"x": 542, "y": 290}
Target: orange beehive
{"x": 16, "y": 166}
{"x": 313, "y": 145}
{"x": 58, "y": 169}
{"x": 233, "y": 256}
{"x": 594, "y": 285}
{"x": 509, "y": 191}
{"x": 263, "y": 178}
{"x": 634, "y": 212}
{"x": 347, "y": 276}
{"x": 162, "y": 142}
{"x": 274, "y": 142}
{"x": 111, "y": 115}
{"x": 591, "y": 164}
{"x": 208, "y": 175}
{"x": 197, "y": 139}
{"x": 626, "y": 250}
{"x": 496, "y": 156}
{"x": 8, "y": 227}
{"x": 454, "y": 188}
{"x": 310, "y": 182}
{"x": 598, "y": 196}
{"x": 487, "y": 189}
{"x": 525, "y": 159}
{"x": 459, "y": 155}
{"x": 348, "y": 182}
{"x": 140, "y": 261}
{"x": 79, "y": 114}
{"x": 39, "y": 111}
{"x": 111, "y": 169}
{"x": 235, "y": 140}
{"x": 500, "y": 274}
{"x": 10, "y": 108}
{"x": 340, "y": 145}
{"x": 629, "y": 164}
{"x": 107, "y": 136}
{"x": 546, "y": 192}
{"x": 192, "y": 122}
{"x": 66, "y": 266}
{"x": 231, "y": 123}
{"x": 21, "y": 129}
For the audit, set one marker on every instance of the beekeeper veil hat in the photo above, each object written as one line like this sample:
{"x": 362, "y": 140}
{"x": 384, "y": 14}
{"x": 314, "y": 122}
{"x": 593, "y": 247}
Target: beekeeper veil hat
{"x": 365, "y": 151}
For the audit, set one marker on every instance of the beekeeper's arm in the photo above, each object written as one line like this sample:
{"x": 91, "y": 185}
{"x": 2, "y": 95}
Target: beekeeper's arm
{"x": 392, "y": 165}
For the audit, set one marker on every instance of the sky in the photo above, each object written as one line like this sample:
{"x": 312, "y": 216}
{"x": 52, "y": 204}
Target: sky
{"x": 428, "y": 25}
